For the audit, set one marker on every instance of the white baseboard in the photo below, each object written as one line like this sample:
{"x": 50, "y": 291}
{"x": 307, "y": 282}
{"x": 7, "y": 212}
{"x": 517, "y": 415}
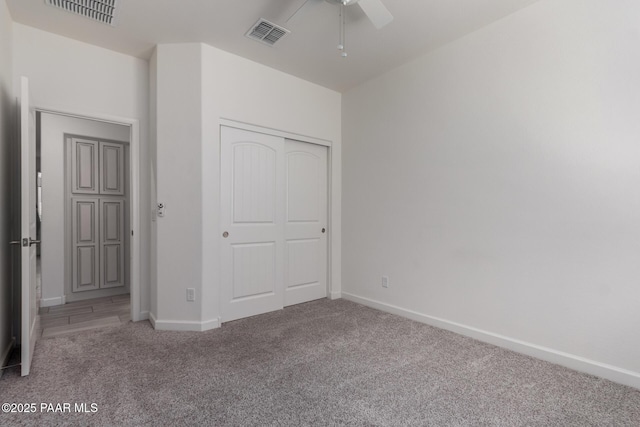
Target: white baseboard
{"x": 335, "y": 295}
{"x": 181, "y": 325}
{"x": 51, "y": 302}
{"x": 592, "y": 367}
{"x": 211, "y": 324}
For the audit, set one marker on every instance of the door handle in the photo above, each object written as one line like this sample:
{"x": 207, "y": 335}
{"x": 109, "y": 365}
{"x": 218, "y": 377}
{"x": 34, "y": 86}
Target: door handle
{"x": 25, "y": 242}
{"x": 225, "y": 234}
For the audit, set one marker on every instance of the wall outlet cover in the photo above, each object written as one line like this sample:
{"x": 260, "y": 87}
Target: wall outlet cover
{"x": 385, "y": 281}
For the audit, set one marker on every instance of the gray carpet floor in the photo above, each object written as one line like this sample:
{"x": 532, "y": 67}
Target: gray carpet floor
{"x": 322, "y": 363}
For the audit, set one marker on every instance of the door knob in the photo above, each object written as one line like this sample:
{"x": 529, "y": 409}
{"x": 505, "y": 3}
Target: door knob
{"x": 25, "y": 242}
{"x": 225, "y": 234}
{"x": 323, "y": 230}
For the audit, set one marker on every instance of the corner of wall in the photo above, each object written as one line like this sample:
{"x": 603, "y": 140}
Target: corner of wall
{"x": 177, "y": 133}
{"x": 153, "y": 161}
{"x": 6, "y": 129}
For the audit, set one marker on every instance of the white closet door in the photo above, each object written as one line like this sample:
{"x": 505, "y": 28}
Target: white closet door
{"x": 306, "y": 222}
{"x": 252, "y": 221}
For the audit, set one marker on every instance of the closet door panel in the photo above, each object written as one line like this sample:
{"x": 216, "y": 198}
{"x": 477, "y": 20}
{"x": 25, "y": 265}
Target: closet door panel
{"x": 306, "y": 222}
{"x": 111, "y": 169}
{"x": 84, "y": 166}
{"x": 111, "y": 243}
{"x": 252, "y": 219}
{"x": 85, "y": 251}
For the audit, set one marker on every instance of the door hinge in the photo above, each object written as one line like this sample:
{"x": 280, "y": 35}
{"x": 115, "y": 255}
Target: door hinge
{"x": 132, "y": 232}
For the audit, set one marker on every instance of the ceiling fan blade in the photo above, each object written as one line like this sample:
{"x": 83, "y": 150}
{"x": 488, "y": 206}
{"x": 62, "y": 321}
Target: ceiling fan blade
{"x": 377, "y": 12}
{"x": 302, "y": 10}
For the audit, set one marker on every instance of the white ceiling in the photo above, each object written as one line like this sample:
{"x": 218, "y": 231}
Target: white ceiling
{"x": 308, "y": 52}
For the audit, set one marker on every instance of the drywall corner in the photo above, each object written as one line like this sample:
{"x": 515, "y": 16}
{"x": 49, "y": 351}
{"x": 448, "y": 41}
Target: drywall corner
{"x": 7, "y": 102}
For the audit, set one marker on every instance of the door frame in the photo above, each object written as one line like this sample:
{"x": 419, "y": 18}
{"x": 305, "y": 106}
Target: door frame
{"x": 332, "y": 293}
{"x": 134, "y": 184}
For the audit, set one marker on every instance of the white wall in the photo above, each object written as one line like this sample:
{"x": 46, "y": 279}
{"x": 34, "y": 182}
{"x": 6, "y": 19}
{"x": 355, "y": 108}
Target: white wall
{"x": 153, "y": 131}
{"x": 496, "y": 182}
{"x": 179, "y": 181}
{"x": 197, "y": 86}
{"x": 236, "y": 88}
{"x": 69, "y": 75}
{"x": 6, "y": 115}
{"x": 53, "y": 130}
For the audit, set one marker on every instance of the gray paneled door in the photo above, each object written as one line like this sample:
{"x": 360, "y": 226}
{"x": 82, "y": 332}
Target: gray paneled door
{"x": 98, "y": 197}
{"x": 84, "y": 156}
{"x": 111, "y": 168}
{"x": 112, "y": 243}
{"x": 85, "y": 259}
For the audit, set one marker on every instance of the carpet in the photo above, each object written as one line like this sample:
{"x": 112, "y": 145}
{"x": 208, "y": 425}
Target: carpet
{"x": 323, "y": 363}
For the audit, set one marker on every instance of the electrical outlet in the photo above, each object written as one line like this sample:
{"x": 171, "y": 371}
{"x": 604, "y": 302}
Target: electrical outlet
{"x": 191, "y": 294}
{"x": 385, "y": 281}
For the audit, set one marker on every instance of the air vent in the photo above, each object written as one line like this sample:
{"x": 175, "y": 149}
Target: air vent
{"x": 98, "y": 10}
{"x": 266, "y": 32}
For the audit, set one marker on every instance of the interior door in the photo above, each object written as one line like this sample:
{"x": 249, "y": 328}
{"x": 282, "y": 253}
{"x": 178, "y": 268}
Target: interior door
{"x": 24, "y": 277}
{"x": 111, "y": 242}
{"x": 306, "y": 222}
{"x": 85, "y": 259}
{"x": 252, "y": 221}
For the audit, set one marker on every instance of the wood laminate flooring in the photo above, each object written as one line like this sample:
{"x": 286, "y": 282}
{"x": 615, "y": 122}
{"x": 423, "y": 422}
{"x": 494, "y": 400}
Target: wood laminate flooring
{"x": 84, "y": 315}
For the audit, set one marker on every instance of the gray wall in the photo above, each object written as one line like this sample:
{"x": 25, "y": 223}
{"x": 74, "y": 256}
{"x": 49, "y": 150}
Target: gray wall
{"x": 496, "y": 182}
{"x": 6, "y": 129}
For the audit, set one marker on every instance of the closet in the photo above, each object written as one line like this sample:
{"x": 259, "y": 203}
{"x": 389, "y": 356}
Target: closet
{"x": 273, "y": 221}
{"x": 97, "y": 193}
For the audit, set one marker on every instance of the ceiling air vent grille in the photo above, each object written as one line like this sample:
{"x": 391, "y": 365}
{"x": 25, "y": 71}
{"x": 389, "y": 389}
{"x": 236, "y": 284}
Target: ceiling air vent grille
{"x": 98, "y": 10}
{"x": 266, "y": 32}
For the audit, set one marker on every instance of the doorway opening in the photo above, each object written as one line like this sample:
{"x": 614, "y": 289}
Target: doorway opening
{"x": 84, "y": 221}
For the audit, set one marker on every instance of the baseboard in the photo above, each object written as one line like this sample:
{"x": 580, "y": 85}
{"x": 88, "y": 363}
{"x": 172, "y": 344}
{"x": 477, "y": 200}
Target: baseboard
{"x": 4, "y": 358}
{"x": 181, "y": 325}
{"x": 335, "y": 295}
{"x": 592, "y": 367}
{"x": 51, "y": 302}
{"x": 152, "y": 319}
